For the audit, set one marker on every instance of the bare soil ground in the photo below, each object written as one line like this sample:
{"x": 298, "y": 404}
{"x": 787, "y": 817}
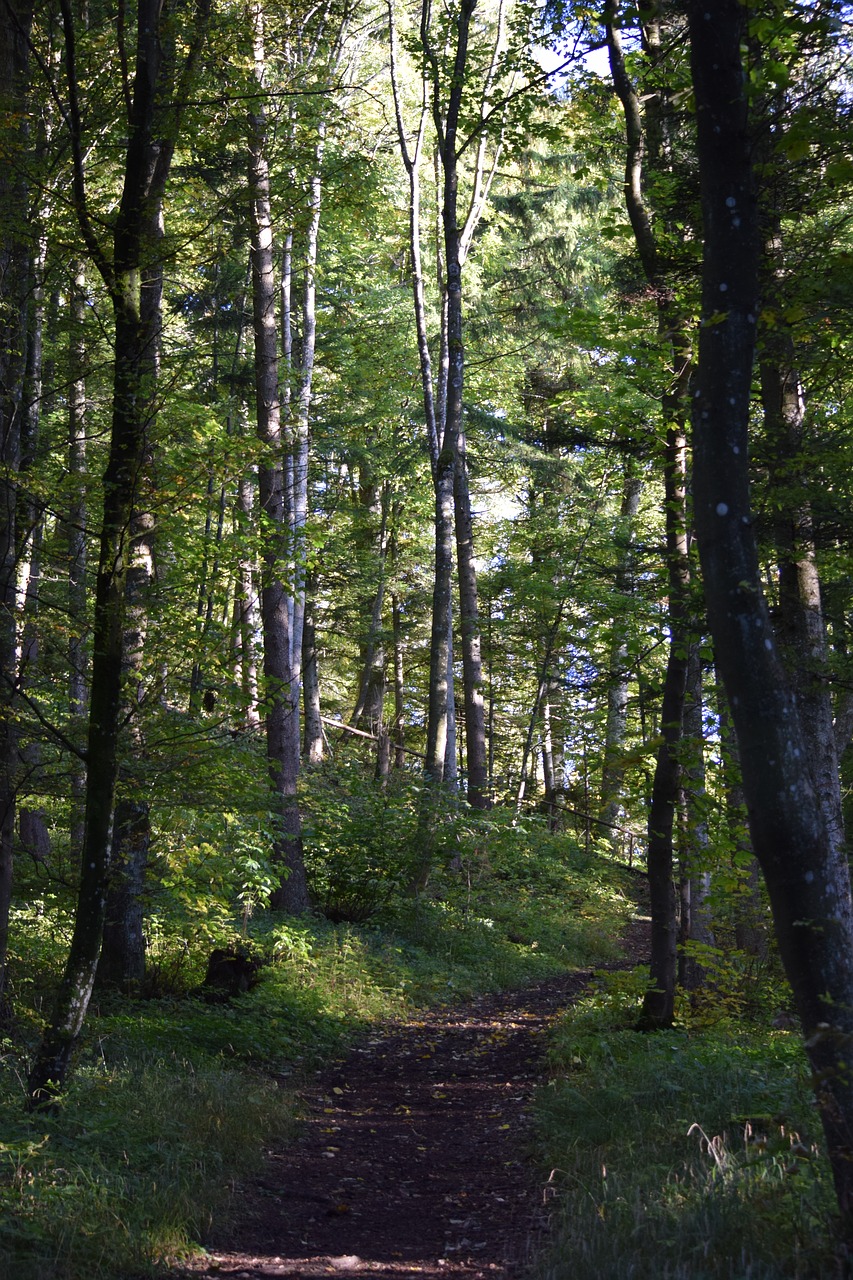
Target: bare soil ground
{"x": 413, "y": 1160}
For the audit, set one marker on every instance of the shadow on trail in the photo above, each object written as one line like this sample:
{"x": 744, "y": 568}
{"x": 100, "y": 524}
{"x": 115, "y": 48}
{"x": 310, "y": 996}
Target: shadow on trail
{"x": 413, "y": 1159}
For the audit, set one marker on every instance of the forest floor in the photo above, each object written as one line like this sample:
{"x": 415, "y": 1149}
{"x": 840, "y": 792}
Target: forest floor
{"x": 414, "y": 1153}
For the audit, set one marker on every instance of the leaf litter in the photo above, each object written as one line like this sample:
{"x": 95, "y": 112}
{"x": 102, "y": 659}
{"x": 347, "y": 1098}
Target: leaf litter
{"x": 414, "y": 1156}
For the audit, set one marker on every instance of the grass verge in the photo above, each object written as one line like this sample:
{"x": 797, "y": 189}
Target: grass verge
{"x": 173, "y": 1099}
{"x": 692, "y": 1154}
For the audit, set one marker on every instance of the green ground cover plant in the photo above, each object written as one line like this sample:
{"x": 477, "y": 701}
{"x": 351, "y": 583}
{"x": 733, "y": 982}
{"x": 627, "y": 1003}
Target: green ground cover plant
{"x": 174, "y": 1098}
{"x": 694, "y": 1153}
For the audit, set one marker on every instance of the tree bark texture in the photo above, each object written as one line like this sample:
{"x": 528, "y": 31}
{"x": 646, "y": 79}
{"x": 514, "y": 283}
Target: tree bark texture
{"x": 618, "y": 683}
{"x": 122, "y": 959}
{"x": 659, "y": 1001}
{"x": 642, "y": 137}
{"x": 153, "y": 127}
{"x": 245, "y": 610}
{"x": 281, "y": 683}
{"x": 443, "y": 406}
{"x": 368, "y": 713}
{"x": 315, "y": 741}
{"x": 399, "y": 685}
{"x": 801, "y": 629}
{"x": 15, "y": 249}
{"x": 469, "y": 626}
{"x": 808, "y": 882}
{"x": 696, "y": 921}
{"x": 77, "y": 524}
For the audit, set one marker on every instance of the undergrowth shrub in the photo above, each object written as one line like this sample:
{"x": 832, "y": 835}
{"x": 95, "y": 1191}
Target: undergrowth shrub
{"x": 359, "y": 841}
{"x": 170, "y": 1097}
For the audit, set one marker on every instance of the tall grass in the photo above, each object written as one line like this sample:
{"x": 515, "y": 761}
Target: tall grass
{"x": 131, "y": 1168}
{"x": 693, "y": 1154}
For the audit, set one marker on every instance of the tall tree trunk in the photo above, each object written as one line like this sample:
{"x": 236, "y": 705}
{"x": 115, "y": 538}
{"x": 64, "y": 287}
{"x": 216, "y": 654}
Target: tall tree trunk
{"x": 618, "y": 680}
{"x": 281, "y": 692}
{"x": 750, "y": 914}
{"x": 801, "y": 629}
{"x": 15, "y": 22}
{"x": 696, "y": 924}
{"x": 399, "y": 685}
{"x": 122, "y": 959}
{"x": 30, "y": 525}
{"x": 302, "y": 424}
{"x": 673, "y": 334}
{"x": 368, "y": 711}
{"x": 442, "y": 621}
{"x": 659, "y": 1000}
{"x": 245, "y": 610}
{"x": 77, "y": 525}
{"x": 469, "y": 626}
{"x": 153, "y": 127}
{"x": 315, "y": 740}
{"x": 443, "y": 403}
{"x": 807, "y": 878}
{"x": 30, "y": 515}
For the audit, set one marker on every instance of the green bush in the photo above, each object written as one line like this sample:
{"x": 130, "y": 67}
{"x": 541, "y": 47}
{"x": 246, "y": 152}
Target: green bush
{"x": 359, "y": 840}
{"x": 171, "y": 1097}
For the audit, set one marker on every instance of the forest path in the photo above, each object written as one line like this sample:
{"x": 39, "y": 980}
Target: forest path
{"x": 412, "y": 1160}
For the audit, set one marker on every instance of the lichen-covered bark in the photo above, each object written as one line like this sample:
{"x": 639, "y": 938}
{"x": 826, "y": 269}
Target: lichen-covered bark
{"x": 807, "y": 880}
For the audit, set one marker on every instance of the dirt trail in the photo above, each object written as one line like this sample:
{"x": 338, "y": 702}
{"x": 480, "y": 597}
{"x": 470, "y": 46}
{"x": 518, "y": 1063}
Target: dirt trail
{"x": 413, "y": 1157}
